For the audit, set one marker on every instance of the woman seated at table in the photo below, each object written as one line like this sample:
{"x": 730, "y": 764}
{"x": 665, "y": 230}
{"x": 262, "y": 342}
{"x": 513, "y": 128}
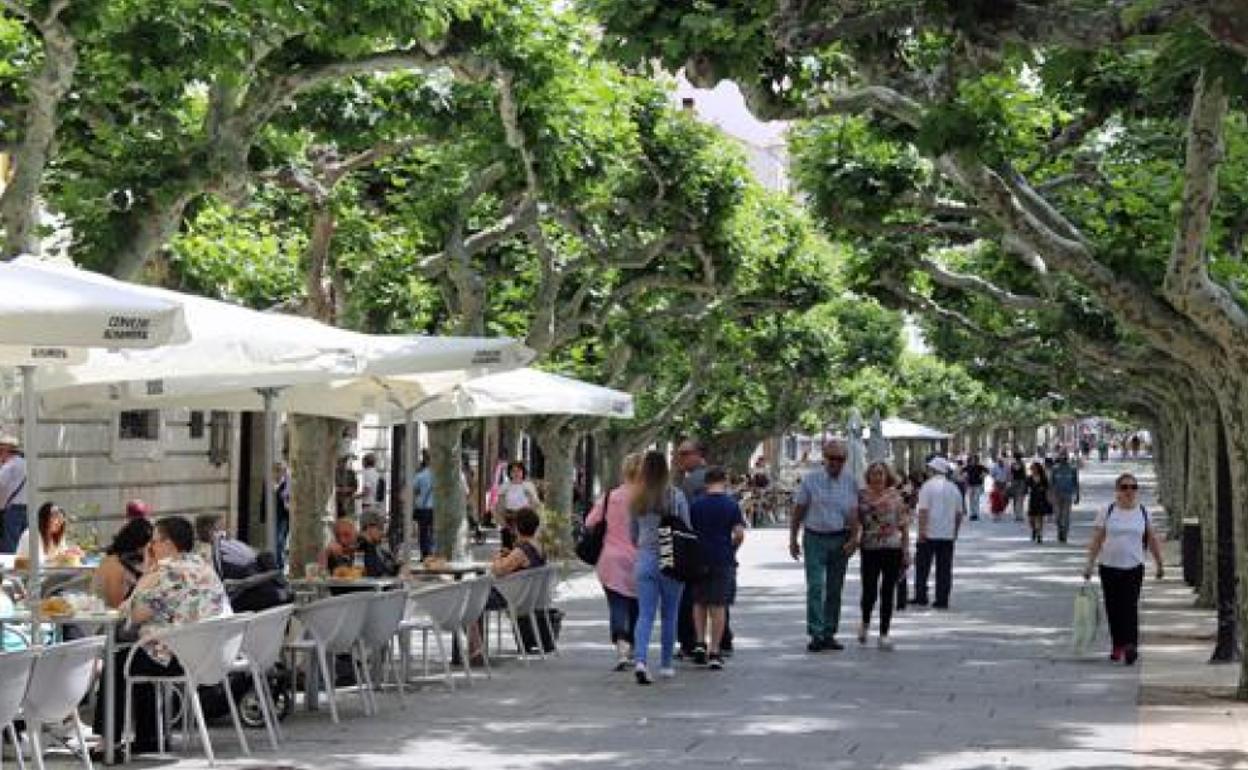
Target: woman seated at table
{"x": 526, "y": 554}
{"x": 177, "y": 587}
{"x": 123, "y": 562}
{"x": 341, "y": 550}
{"x": 53, "y": 548}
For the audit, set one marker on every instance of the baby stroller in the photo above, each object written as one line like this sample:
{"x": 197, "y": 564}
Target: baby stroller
{"x": 253, "y": 583}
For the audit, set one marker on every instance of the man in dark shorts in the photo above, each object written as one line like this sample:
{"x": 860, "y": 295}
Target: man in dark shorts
{"x": 720, "y": 525}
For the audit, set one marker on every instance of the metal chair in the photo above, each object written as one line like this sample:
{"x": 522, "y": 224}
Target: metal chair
{"x": 521, "y": 590}
{"x": 544, "y": 602}
{"x": 207, "y": 651}
{"x": 60, "y": 679}
{"x": 15, "y": 671}
{"x": 333, "y": 626}
{"x": 260, "y": 651}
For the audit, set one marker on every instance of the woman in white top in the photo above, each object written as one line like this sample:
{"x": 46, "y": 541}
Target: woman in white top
{"x": 516, "y": 494}
{"x": 51, "y": 543}
{"x": 1121, "y": 532}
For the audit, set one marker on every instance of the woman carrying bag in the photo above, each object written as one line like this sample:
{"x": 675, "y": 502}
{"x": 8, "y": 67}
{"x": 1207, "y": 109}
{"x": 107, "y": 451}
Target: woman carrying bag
{"x": 617, "y": 560}
{"x": 1121, "y": 533}
{"x": 654, "y": 500}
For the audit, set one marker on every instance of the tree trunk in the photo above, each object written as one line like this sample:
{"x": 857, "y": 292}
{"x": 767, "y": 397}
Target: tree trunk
{"x": 611, "y": 454}
{"x": 732, "y": 450}
{"x": 313, "y": 446}
{"x": 449, "y": 502}
{"x": 559, "y": 448}
{"x": 1201, "y": 464}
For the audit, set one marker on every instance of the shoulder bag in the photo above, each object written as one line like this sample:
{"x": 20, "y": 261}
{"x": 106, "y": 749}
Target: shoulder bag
{"x": 680, "y": 553}
{"x": 589, "y": 546}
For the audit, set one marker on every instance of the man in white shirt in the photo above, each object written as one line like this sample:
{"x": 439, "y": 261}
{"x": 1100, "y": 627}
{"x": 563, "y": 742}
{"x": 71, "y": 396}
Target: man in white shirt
{"x": 12, "y": 494}
{"x": 941, "y": 509}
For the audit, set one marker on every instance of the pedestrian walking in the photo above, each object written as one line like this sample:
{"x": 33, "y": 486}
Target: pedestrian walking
{"x": 939, "y": 521}
{"x": 999, "y": 497}
{"x": 516, "y": 494}
{"x": 12, "y": 493}
{"x": 1018, "y": 485}
{"x": 422, "y": 504}
{"x": 825, "y": 512}
{"x": 692, "y": 464}
{"x": 1039, "y": 500}
{"x": 617, "y": 563}
{"x": 655, "y": 498}
{"x": 1121, "y": 533}
{"x": 1065, "y": 482}
{"x": 975, "y": 475}
{"x": 720, "y": 526}
{"x": 885, "y": 533}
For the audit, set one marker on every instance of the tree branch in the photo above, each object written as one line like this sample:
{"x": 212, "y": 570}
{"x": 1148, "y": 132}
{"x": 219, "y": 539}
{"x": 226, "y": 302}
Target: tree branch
{"x": 974, "y": 283}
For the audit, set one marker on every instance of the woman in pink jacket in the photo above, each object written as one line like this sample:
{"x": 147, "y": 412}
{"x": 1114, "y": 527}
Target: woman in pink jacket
{"x": 615, "y": 565}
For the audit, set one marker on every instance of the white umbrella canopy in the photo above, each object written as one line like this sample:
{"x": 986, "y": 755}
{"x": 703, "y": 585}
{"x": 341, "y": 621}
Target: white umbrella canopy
{"x": 526, "y": 392}
{"x": 46, "y": 304}
{"x": 49, "y": 315}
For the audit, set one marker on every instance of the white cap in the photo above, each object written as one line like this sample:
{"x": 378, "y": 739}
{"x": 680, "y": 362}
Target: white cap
{"x": 939, "y": 464}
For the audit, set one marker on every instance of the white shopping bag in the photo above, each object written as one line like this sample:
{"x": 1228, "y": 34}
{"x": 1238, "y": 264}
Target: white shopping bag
{"x": 1087, "y": 618}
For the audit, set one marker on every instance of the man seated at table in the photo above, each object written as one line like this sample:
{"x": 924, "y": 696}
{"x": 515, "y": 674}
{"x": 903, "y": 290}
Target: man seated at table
{"x": 177, "y": 587}
{"x": 378, "y": 560}
{"x": 341, "y": 550}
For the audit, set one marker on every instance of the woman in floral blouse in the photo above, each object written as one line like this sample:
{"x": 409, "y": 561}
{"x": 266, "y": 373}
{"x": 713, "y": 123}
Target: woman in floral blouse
{"x": 885, "y": 519}
{"x": 177, "y": 587}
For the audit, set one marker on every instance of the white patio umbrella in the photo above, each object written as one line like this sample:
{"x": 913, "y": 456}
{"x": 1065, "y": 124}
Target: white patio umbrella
{"x": 282, "y": 363}
{"x": 857, "y": 461}
{"x": 526, "y": 392}
{"x": 49, "y": 314}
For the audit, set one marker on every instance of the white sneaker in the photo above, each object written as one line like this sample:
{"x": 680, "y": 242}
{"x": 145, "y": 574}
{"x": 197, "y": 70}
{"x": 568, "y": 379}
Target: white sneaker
{"x": 883, "y": 643}
{"x": 642, "y": 673}
{"x": 667, "y": 672}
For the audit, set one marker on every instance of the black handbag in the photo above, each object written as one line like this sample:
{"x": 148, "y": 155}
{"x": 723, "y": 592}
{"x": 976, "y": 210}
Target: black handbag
{"x": 680, "y": 553}
{"x": 589, "y": 546}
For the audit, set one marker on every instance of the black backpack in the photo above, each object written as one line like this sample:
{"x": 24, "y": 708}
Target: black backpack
{"x": 381, "y": 489}
{"x": 1143, "y": 510}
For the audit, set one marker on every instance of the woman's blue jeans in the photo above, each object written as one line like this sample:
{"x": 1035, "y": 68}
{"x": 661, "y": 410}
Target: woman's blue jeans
{"x": 656, "y": 593}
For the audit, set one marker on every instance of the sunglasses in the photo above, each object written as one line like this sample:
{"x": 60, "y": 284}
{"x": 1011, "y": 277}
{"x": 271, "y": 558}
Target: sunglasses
{"x": 1129, "y": 486}
{"x": 835, "y": 459}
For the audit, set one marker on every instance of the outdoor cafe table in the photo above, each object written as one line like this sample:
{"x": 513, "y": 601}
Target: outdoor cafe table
{"x": 455, "y": 569}
{"x": 110, "y": 620}
{"x": 327, "y": 585}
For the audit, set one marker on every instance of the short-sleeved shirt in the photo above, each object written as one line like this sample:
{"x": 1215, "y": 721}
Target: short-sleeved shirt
{"x": 714, "y": 517}
{"x": 644, "y": 528}
{"x": 942, "y": 500}
{"x": 883, "y": 520}
{"x": 831, "y": 501}
{"x": 694, "y": 484}
{"x": 1124, "y": 536}
{"x": 422, "y": 489}
{"x": 975, "y": 474}
{"x": 369, "y": 480}
{"x": 13, "y": 482}
{"x": 182, "y": 589}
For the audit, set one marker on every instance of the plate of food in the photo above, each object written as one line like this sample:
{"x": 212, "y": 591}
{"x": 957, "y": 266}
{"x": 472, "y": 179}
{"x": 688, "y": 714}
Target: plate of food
{"x": 348, "y": 573}
{"x": 55, "y": 607}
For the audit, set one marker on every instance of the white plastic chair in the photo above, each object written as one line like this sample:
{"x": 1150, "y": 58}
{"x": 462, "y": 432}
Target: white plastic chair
{"x": 544, "y": 602}
{"x": 521, "y": 590}
{"x": 59, "y": 681}
{"x": 443, "y": 609}
{"x": 474, "y": 608}
{"x": 15, "y": 671}
{"x": 207, "y": 651}
{"x": 260, "y": 651}
{"x": 334, "y": 626}
{"x": 385, "y": 614}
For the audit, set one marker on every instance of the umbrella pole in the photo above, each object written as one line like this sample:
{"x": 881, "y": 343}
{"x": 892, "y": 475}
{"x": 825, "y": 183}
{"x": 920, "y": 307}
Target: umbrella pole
{"x": 270, "y": 459}
{"x": 408, "y": 511}
{"x": 30, "y": 445}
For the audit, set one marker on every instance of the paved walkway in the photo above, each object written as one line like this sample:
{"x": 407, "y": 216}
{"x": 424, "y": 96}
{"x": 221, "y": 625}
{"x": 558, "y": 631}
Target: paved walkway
{"x": 989, "y": 684}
